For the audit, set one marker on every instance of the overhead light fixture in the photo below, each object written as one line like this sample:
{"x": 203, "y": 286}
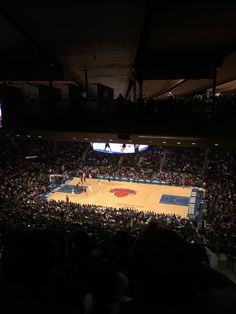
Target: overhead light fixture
{"x": 28, "y": 135}
{"x": 178, "y": 143}
{"x": 164, "y": 142}
{"x": 73, "y": 138}
{"x": 17, "y": 135}
{"x": 148, "y": 136}
{"x": 193, "y": 143}
{"x": 216, "y": 144}
{"x": 86, "y": 138}
{"x": 39, "y": 136}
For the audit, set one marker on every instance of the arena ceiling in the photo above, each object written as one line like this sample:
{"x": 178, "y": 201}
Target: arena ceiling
{"x": 170, "y": 45}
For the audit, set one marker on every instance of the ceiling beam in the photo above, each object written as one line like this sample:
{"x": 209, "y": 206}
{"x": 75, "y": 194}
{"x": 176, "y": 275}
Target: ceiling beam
{"x": 143, "y": 39}
{"x": 169, "y": 88}
{"x": 21, "y": 26}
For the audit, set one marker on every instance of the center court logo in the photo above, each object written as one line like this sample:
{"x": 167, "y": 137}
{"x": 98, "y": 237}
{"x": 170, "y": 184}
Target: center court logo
{"x": 122, "y": 192}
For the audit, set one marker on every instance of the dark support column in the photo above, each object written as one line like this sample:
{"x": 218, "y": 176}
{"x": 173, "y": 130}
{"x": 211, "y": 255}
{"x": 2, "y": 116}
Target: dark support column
{"x": 206, "y": 158}
{"x": 214, "y": 86}
{"x": 141, "y": 89}
{"x": 134, "y": 91}
{"x": 86, "y": 83}
{"x": 54, "y": 148}
{"x": 51, "y": 108}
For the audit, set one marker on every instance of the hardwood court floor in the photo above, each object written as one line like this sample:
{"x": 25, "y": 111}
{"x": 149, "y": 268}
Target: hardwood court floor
{"x": 146, "y": 198}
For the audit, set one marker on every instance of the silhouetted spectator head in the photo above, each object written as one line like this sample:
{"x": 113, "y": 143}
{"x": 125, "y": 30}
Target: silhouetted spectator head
{"x": 29, "y": 258}
{"x": 80, "y": 246}
{"x": 121, "y": 239}
{"x": 161, "y": 267}
{"x": 104, "y": 280}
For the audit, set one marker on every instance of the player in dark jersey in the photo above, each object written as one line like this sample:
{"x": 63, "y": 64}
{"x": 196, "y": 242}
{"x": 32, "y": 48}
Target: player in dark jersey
{"x": 107, "y": 145}
{"x": 123, "y": 147}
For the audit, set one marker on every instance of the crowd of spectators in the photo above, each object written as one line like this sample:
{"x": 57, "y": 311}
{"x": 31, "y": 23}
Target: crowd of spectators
{"x": 177, "y": 166}
{"x": 149, "y": 158}
{"x": 97, "y": 159}
{"x": 61, "y": 257}
{"x": 220, "y": 198}
{"x": 188, "y": 160}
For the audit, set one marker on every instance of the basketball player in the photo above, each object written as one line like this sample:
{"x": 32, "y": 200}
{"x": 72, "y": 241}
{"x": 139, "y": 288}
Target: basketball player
{"x": 123, "y": 147}
{"x": 67, "y": 199}
{"x": 73, "y": 191}
{"x": 107, "y": 145}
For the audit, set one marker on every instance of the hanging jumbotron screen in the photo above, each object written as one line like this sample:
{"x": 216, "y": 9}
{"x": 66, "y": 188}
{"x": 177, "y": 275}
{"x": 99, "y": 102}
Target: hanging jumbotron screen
{"x": 115, "y": 148}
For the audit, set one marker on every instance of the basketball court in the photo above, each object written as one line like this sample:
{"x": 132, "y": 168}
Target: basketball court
{"x": 143, "y": 197}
